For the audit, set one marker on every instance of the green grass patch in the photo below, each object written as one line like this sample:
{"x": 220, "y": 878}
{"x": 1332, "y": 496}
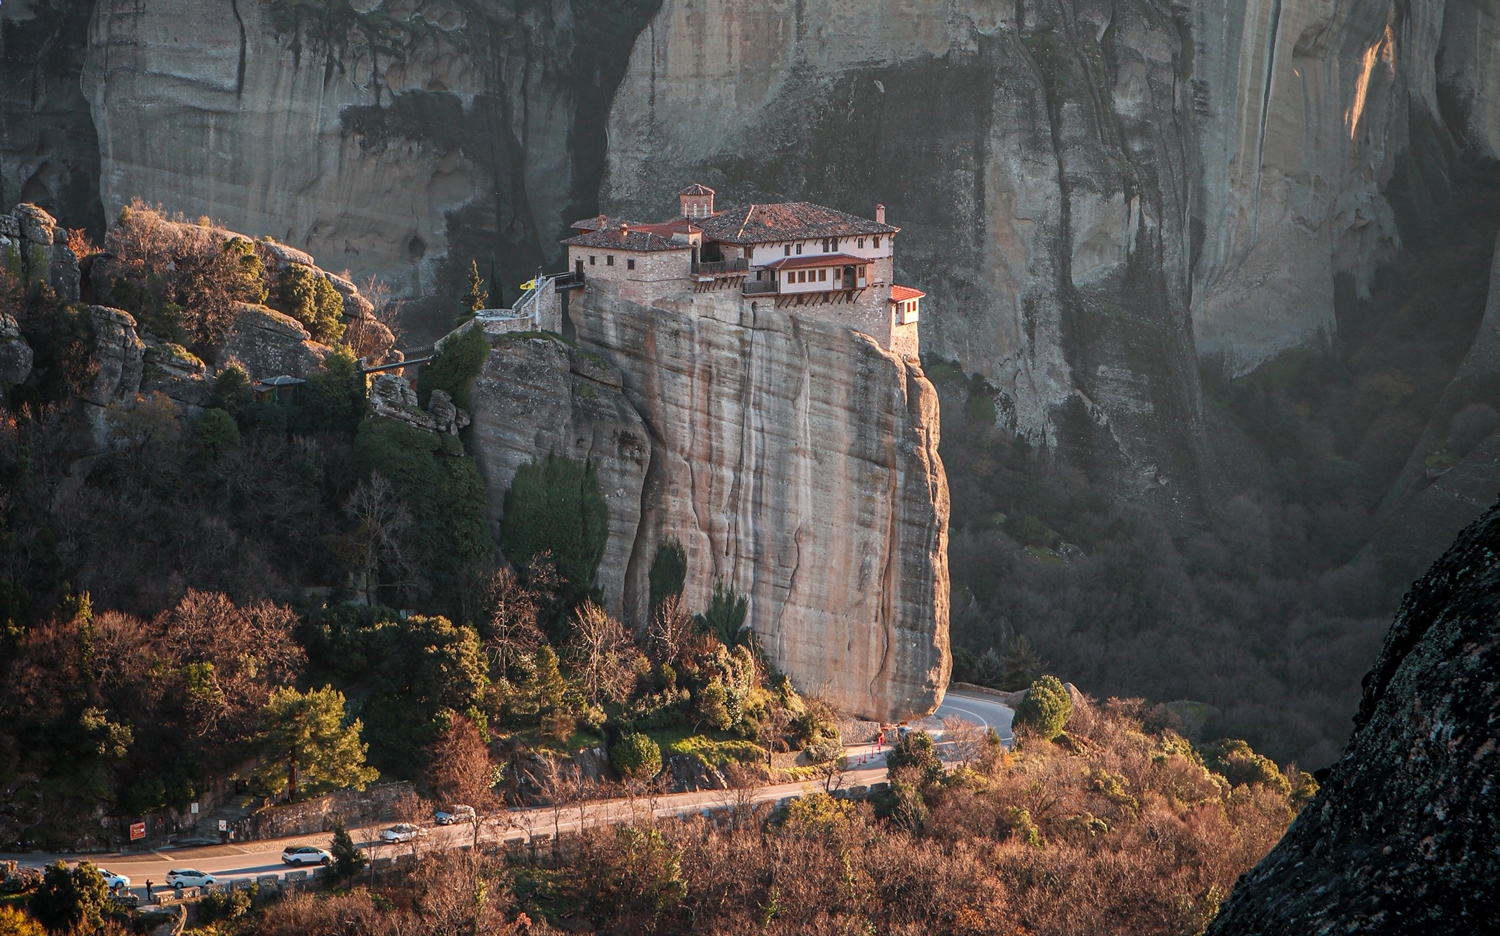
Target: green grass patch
{"x": 710, "y": 751}
{"x": 508, "y": 337}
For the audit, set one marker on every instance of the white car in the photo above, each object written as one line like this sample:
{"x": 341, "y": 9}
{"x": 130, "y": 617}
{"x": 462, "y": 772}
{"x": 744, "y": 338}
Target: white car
{"x": 305, "y": 855}
{"x": 113, "y": 880}
{"x": 454, "y": 815}
{"x": 187, "y": 877}
{"x": 403, "y": 832}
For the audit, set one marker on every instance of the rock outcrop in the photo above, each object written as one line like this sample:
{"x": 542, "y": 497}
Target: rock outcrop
{"x": 34, "y": 248}
{"x": 15, "y": 354}
{"x": 1402, "y": 836}
{"x": 392, "y": 397}
{"x": 271, "y": 344}
{"x": 175, "y": 371}
{"x": 537, "y": 395}
{"x": 119, "y": 357}
{"x": 797, "y": 462}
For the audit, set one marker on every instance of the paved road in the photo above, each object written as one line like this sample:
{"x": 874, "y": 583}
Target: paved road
{"x": 985, "y": 711}
{"x": 250, "y": 859}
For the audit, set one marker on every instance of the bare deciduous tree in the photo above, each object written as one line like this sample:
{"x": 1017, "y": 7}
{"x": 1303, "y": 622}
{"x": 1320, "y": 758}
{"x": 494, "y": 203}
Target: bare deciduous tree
{"x": 511, "y": 610}
{"x": 964, "y": 740}
{"x": 599, "y": 649}
{"x": 672, "y": 630}
{"x": 462, "y": 773}
{"x": 380, "y": 520}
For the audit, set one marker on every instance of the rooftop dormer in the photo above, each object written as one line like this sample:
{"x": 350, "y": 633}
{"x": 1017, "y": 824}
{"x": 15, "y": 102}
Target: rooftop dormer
{"x": 697, "y": 201}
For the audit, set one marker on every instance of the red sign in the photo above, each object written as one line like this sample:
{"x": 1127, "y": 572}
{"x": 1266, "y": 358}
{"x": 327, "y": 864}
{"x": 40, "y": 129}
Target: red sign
{"x": 137, "y": 831}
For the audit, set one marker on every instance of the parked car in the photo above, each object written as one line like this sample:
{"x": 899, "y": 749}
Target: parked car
{"x": 454, "y": 815}
{"x": 187, "y": 877}
{"x": 403, "y": 832}
{"x": 305, "y": 855}
{"x": 113, "y": 880}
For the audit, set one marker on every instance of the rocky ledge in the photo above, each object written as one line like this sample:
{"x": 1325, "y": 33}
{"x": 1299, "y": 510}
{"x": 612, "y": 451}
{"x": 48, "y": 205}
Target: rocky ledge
{"x": 1402, "y": 836}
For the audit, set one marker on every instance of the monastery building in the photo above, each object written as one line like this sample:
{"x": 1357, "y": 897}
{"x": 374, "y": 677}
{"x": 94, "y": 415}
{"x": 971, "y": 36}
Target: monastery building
{"x": 801, "y": 257}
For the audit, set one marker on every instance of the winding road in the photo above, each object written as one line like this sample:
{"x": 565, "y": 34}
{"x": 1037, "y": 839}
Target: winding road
{"x": 247, "y": 860}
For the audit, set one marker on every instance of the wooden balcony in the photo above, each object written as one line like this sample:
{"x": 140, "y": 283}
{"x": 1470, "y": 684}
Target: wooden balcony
{"x": 737, "y": 267}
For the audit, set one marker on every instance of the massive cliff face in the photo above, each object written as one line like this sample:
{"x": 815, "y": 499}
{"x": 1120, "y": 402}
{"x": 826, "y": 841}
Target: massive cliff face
{"x": 536, "y": 396}
{"x": 1401, "y": 838}
{"x": 49, "y": 154}
{"x": 796, "y": 461}
{"x": 399, "y": 138}
{"x": 1096, "y": 195}
{"x": 1036, "y": 156}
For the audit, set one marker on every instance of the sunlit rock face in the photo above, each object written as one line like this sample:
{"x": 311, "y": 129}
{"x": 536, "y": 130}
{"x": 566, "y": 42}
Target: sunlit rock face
{"x": 797, "y": 462}
{"x": 1401, "y": 838}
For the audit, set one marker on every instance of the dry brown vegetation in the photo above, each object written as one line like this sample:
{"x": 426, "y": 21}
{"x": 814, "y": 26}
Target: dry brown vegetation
{"x": 1118, "y": 829}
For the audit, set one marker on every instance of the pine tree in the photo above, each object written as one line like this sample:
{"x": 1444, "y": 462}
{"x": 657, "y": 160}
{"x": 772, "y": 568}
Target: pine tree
{"x": 347, "y": 859}
{"x": 1022, "y": 665}
{"x": 306, "y": 746}
{"x": 550, "y": 685}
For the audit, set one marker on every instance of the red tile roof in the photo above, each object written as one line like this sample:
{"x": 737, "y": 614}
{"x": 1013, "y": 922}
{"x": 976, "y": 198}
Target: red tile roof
{"x": 758, "y": 224}
{"x": 899, "y": 293}
{"x": 815, "y": 260}
{"x": 591, "y": 224}
{"x": 696, "y": 189}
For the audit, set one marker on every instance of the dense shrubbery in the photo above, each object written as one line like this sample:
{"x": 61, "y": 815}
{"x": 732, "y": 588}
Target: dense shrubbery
{"x": 311, "y": 300}
{"x": 182, "y": 282}
{"x": 450, "y": 548}
{"x": 1126, "y": 832}
{"x": 636, "y": 757}
{"x": 453, "y": 367}
{"x": 554, "y": 506}
{"x": 1045, "y": 710}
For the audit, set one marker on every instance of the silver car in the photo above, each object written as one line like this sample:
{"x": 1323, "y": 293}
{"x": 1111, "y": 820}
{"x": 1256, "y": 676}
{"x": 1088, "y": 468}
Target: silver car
{"x": 403, "y": 832}
{"x": 454, "y": 815}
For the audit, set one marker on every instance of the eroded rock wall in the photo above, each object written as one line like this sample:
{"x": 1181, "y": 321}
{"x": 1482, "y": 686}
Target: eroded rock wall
{"x": 537, "y": 395}
{"x": 1037, "y": 157}
{"x": 1401, "y": 838}
{"x": 796, "y": 461}
{"x": 399, "y": 138}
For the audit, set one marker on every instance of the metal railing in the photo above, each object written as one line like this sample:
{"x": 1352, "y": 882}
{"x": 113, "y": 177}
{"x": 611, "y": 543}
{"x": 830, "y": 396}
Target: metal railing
{"x": 759, "y": 287}
{"x": 721, "y": 267}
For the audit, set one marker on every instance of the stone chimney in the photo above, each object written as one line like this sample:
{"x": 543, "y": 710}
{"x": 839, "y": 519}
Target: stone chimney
{"x": 879, "y": 214}
{"x": 697, "y": 201}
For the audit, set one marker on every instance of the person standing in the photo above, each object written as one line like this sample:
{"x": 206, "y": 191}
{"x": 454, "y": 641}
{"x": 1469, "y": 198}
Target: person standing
{"x": 148, "y": 890}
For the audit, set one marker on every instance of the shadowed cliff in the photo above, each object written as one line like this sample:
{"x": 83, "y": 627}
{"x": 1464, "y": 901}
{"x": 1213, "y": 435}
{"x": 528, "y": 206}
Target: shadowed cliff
{"x": 1401, "y": 837}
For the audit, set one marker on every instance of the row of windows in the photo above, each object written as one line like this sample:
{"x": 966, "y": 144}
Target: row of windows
{"x": 829, "y": 245}
{"x": 609, "y": 260}
{"x": 815, "y": 276}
